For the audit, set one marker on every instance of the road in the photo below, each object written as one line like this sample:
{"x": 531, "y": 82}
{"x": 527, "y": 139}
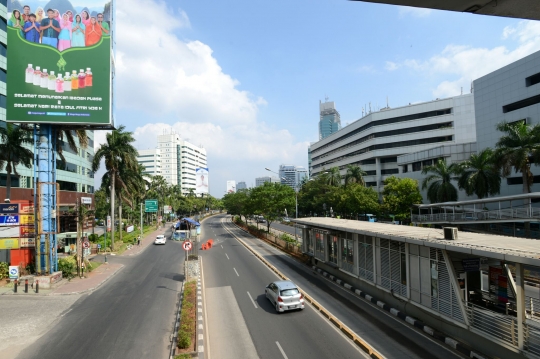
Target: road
{"x": 243, "y": 323}
{"x": 130, "y": 316}
{"x": 302, "y": 335}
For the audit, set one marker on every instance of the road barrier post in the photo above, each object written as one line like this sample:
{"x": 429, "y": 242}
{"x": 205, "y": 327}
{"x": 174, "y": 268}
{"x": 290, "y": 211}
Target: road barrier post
{"x": 26, "y": 285}
{"x": 15, "y": 287}
{"x": 37, "y": 286}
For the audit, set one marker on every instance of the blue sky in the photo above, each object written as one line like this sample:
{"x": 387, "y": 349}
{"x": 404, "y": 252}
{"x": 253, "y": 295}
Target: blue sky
{"x": 244, "y": 78}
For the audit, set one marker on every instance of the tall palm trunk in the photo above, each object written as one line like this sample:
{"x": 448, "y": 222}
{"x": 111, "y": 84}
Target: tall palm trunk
{"x": 526, "y": 202}
{"x": 120, "y": 215}
{"x": 8, "y": 187}
{"x": 112, "y": 210}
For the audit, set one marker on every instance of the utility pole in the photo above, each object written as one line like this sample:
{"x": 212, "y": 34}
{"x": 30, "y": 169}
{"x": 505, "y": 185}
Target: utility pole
{"x": 141, "y": 222}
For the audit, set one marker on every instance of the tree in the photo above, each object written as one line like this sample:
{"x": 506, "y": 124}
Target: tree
{"x": 354, "y": 174}
{"x": 13, "y": 152}
{"x": 333, "y": 177}
{"x": 271, "y": 199}
{"x": 239, "y": 203}
{"x": 66, "y": 134}
{"x": 518, "y": 149}
{"x": 399, "y": 194}
{"x": 480, "y": 175}
{"x": 439, "y": 182}
{"x": 360, "y": 200}
{"x": 118, "y": 152}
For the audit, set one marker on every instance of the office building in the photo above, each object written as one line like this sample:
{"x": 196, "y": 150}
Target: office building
{"x": 291, "y": 175}
{"x": 179, "y": 160}
{"x": 231, "y": 187}
{"x": 241, "y": 185}
{"x": 329, "y": 121}
{"x": 259, "y": 181}
{"x": 375, "y": 141}
{"x": 151, "y": 161}
{"x": 511, "y": 93}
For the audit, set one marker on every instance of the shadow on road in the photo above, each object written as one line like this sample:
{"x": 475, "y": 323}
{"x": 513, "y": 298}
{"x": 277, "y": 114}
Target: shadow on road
{"x": 174, "y": 276}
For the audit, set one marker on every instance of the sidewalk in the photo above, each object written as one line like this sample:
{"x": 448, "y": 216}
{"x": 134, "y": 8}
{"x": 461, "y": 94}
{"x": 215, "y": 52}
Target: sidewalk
{"x": 93, "y": 279}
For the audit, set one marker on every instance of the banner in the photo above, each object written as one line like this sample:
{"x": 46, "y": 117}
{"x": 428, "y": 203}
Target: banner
{"x": 130, "y": 229}
{"x": 9, "y": 220}
{"x": 231, "y": 186}
{"x": 201, "y": 180}
{"x": 9, "y": 243}
{"x": 59, "y": 62}
{"x": 9, "y": 208}
{"x": 27, "y": 242}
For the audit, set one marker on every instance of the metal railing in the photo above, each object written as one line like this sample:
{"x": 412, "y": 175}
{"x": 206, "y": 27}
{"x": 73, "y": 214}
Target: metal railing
{"x": 532, "y": 339}
{"x": 498, "y": 214}
{"x": 499, "y": 326}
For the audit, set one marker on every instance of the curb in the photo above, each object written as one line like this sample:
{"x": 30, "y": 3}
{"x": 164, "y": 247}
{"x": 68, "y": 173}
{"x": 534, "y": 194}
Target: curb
{"x": 454, "y": 344}
{"x": 359, "y": 341}
{"x": 94, "y": 288}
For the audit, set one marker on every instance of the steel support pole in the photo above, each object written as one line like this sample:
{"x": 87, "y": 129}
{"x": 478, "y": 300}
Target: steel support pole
{"x": 520, "y": 304}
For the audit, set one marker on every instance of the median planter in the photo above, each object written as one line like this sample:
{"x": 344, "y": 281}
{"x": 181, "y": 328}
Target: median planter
{"x": 187, "y": 331}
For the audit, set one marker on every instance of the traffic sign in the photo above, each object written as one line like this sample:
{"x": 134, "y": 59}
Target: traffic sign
{"x": 86, "y": 244}
{"x": 99, "y": 246}
{"x": 187, "y": 245}
{"x": 151, "y": 205}
{"x": 13, "y": 272}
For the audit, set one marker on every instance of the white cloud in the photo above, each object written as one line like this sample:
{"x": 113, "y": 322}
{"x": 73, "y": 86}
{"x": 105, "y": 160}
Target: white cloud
{"x": 391, "y": 66}
{"x": 462, "y": 64}
{"x": 178, "y": 84}
{"x": 414, "y": 11}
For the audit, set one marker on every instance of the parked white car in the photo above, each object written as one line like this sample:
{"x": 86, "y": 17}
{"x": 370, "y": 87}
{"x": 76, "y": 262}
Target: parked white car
{"x": 160, "y": 239}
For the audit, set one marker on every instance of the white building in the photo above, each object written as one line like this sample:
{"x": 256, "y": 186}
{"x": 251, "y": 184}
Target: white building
{"x": 375, "y": 141}
{"x": 291, "y": 175}
{"x": 151, "y": 160}
{"x": 259, "y": 181}
{"x": 179, "y": 160}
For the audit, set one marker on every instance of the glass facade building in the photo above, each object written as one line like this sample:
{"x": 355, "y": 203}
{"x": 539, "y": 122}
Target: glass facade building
{"x": 329, "y": 121}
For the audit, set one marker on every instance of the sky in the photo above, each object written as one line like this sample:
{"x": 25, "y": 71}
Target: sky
{"x": 244, "y": 78}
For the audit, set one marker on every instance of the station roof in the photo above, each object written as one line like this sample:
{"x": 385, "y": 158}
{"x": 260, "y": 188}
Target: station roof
{"x": 512, "y": 249}
{"x": 523, "y": 9}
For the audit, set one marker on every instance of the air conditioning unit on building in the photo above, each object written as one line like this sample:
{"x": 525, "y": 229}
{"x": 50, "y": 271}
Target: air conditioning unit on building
{"x": 450, "y": 233}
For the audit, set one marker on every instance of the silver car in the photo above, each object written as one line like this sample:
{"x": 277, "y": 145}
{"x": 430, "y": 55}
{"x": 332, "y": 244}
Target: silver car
{"x": 284, "y": 295}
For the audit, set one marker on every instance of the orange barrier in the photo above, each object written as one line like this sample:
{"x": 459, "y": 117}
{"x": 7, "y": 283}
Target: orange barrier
{"x": 210, "y": 243}
{"x": 204, "y": 247}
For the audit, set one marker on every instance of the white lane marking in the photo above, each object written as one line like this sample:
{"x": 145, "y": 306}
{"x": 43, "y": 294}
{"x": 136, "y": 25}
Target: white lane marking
{"x": 236, "y": 272}
{"x": 205, "y": 310}
{"x": 227, "y": 256}
{"x": 281, "y": 350}
{"x": 221, "y": 246}
{"x": 252, "y": 301}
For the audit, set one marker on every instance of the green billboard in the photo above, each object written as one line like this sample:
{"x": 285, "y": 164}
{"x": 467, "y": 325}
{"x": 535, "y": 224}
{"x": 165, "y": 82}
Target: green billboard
{"x": 59, "y": 62}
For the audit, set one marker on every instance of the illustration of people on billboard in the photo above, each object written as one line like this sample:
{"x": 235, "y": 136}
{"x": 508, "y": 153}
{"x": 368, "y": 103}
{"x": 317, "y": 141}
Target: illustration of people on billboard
{"x": 201, "y": 180}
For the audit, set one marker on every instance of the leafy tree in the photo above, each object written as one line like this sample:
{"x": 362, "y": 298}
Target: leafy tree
{"x": 439, "y": 182}
{"x": 14, "y": 151}
{"x": 480, "y": 175}
{"x": 270, "y": 200}
{"x": 66, "y": 134}
{"x": 354, "y": 174}
{"x": 239, "y": 203}
{"x": 361, "y": 200}
{"x": 118, "y": 152}
{"x": 399, "y": 194}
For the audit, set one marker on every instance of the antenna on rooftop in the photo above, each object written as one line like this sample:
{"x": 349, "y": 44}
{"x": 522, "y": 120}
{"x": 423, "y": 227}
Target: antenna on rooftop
{"x": 471, "y": 86}
{"x": 325, "y": 98}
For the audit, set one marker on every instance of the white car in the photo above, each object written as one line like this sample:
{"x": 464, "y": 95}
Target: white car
{"x": 284, "y": 295}
{"x": 160, "y": 239}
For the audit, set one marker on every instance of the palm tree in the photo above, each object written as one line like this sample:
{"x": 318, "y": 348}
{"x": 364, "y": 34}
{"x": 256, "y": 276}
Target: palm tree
{"x": 13, "y": 152}
{"x": 439, "y": 182}
{"x": 355, "y": 174}
{"x": 333, "y": 177}
{"x": 479, "y": 175}
{"x": 118, "y": 153}
{"x": 518, "y": 149}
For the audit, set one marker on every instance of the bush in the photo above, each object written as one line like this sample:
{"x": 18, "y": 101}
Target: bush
{"x": 4, "y": 270}
{"x": 93, "y": 237}
{"x": 67, "y": 266}
{"x": 287, "y": 238}
{"x": 184, "y": 339}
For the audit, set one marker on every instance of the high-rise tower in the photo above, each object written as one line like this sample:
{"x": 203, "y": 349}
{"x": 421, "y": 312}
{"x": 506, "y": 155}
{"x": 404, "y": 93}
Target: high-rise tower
{"x": 330, "y": 121}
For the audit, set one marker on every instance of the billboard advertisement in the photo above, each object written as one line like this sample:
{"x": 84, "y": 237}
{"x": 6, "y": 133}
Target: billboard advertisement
{"x": 9, "y": 208}
{"x": 231, "y": 186}
{"x": 201, "y": 180}
{"x": 60, "y": 62}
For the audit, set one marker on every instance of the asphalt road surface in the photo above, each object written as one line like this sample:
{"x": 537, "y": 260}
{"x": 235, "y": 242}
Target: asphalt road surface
{"x": 130, "y": 316}
{"x": 231, "y": 271}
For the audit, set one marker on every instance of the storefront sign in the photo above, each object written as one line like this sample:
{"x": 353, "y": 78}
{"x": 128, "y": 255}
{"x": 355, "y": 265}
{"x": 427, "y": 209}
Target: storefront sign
{"x": 6, "y": 220}
{"x": 471, "y": 264}
{"x": 9, "y": 208}
{"x": 27, "y": 219}
{"x": 86, "y": 200}
{"x": 130, "y": 229}
{"x": 27, "y": 231}
{"x": 77, "y": 89}
{"x": 25, "y": 208}
{"x": 27, "y": 242}
{"x": 9, "y": 243}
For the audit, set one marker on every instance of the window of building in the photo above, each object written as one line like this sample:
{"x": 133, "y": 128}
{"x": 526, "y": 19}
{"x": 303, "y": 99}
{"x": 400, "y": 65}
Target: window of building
{"x": 319, "y": 244}
{"x": 392, "y": 275}
{"x": 529, "y": 81}
{"x": 365, "y": 257}
{"x": 519, "y": 180}
{"x": 417, "y": 166}
{"x": 405, "y": 168}
{"x": 371, "y": 161}
{"x": 388, "y": 159}
{"x": 347, "y": 252}
{"x": 14, "y": 180}
{"x": 390, "y": 171}
{"x": 3, "y": 24}
{"x": 66, "y": 166}
{"x": 67, "y": 186}
{"x": 521, "y": 104}
{"x": 333, "y": 249}
{"x": 3, "y": 101}
{"x": 3, "y": 50}
{"x": 371, "y": 184}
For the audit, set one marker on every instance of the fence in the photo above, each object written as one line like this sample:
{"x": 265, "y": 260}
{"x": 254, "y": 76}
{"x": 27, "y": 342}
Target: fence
{"x": 498, "y": 214}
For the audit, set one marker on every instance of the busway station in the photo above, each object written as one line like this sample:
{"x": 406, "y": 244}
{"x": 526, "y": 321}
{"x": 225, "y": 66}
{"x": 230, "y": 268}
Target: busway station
{"x": 481, "y": 289}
